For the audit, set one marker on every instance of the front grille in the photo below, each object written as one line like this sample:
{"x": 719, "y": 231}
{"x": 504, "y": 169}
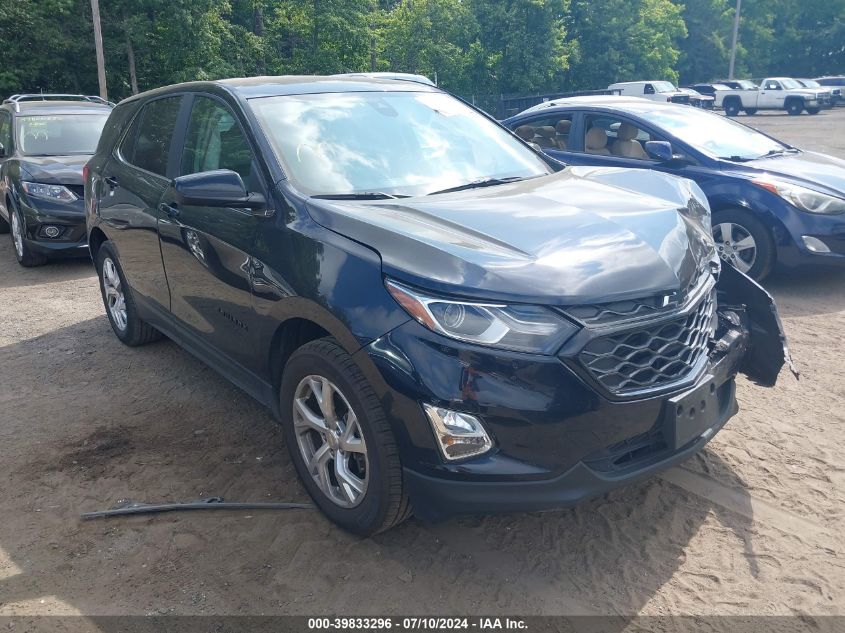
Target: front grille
{"x": 603, "y": 313}
{"x": 652, "y": 355}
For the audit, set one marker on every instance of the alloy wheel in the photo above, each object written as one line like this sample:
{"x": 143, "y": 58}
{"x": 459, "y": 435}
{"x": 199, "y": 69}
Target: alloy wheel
{"x": 17, "y": 234}
{"x": 735, "y": 245}
{"x": 115, "y": 299}
{"x": 331, "y": 441}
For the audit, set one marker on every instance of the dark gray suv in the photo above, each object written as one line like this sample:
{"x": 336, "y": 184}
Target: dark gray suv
{"x": 45, "y": 140}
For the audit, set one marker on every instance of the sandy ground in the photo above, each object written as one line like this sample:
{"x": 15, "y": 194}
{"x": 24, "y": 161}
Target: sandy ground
{"x": 747, "y": 527}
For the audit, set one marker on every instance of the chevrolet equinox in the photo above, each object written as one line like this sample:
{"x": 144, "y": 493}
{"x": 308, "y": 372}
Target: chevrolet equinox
{"x": 443, "y": 319}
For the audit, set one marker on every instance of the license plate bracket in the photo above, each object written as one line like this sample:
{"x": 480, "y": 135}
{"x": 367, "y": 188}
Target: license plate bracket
{"x": 690, "y": 414}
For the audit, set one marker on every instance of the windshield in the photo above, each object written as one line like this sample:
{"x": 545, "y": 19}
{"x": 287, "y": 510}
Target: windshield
{"x": 663, "y": 86}
{"x": 399, "y": 143}
{"x": 60, "y": 134}
{"x": 712, "y": 133}
{"x": 789, "y": 84}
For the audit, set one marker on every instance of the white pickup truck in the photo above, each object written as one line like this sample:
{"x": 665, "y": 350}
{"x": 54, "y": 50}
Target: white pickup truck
{"x": 775, "y": 93}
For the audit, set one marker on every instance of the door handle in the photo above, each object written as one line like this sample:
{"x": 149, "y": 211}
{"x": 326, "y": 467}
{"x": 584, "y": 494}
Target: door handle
{"x": 169, "y": 210}
{"x": 111, "y": 181}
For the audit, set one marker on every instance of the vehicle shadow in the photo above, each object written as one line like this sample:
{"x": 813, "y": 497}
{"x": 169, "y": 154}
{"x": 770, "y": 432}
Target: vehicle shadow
{"x": 806, "y": 293}
{"x": 154, "y": 424}
{"x": 53, "y": 271}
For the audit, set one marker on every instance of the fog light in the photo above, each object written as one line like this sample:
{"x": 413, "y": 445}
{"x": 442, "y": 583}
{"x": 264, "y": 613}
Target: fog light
{"x": 814, "y": 244}
{"x": 52, "y": 231}
{"x": 459, "y": 435}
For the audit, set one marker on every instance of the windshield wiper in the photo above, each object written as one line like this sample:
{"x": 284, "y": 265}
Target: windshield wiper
{"x": 361, "y": 195}
{"x": 483, "y": 182}
{"x": 737, "y": 159}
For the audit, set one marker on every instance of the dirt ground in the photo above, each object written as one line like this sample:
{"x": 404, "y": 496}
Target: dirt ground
{"x": 747, "y": 527}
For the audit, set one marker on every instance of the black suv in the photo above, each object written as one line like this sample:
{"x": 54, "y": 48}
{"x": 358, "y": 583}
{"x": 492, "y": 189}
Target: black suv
{"x": 442, "y": 318}
{"x": 45, "y": 140}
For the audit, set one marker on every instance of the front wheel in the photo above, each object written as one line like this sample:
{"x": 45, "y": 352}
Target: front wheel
{"x": 813, "y": 110}
{"x": 794, "y": 108}
{"x": 744, "y": 242}
{"x": 340, "y": 441}
{"x": 119, "y": 303}
{"x": 750, "y": 111}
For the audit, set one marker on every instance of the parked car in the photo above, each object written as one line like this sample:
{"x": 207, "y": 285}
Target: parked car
{"x": 443, "y": 318}
{"x": 739, "y": 84}
{"x": 835, "y": 93}
{"x": 45, "y": 140}
{"x": 772, "y": 203}
{"x": 715, "y": 90}
{"x": 698, "y": 100}
{"x": 652, "y": 90}
{"x": 834, "y": 84}
{"x": 776, "y": 93}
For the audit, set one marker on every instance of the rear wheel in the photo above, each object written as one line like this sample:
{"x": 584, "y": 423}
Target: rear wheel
{"x": 117, "y": 299}
{"x": 750, "y": 111}
{"x": 340, "y": 441}
{"x": 731, "y": 107}
{"x": 744, "y": 242}
{"x": 794, "y": 107}
{"x": 814, "y": 110}
{"x": 23, "y": 253}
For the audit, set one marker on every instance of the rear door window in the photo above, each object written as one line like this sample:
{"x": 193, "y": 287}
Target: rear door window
{"x": 147, "y": 145}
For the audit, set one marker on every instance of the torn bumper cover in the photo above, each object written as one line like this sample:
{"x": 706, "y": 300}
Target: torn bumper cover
{"x": 556, "y": 440}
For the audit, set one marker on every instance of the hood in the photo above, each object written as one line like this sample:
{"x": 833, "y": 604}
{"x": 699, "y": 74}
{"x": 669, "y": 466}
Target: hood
{"x": 812, "y": 168}
{"x": 809, "y": 92}
{"x": 584, "y": 234}
{"x": 59, "y": 170}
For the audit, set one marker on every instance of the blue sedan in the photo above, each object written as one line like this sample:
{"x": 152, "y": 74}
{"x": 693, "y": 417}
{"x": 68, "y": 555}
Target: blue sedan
{"x": 772, "y": 203}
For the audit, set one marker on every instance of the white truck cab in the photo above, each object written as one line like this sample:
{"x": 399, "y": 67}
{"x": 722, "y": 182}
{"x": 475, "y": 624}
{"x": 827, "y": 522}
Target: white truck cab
{"x": 654, "y": 90}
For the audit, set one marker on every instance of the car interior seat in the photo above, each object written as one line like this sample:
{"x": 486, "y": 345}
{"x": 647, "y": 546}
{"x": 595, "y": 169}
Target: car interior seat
{"x": 545, "y": 137}
{"x": 626, "y": 144}
{"x": 596, "y": 141}
{"x": 562, "y": 133}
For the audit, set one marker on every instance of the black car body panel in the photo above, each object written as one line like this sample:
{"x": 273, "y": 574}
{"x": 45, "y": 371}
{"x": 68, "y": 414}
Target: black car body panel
{"x": 239, "y": 286}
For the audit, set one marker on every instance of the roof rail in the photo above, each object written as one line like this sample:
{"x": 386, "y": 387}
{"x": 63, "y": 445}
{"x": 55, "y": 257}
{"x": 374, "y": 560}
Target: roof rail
{"x": 18, "y": 98}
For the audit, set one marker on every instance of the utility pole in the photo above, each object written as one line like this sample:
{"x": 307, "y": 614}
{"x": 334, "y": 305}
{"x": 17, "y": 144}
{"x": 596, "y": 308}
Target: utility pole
{"x": 736, "y": 35}
{"x": 98, "y": 44}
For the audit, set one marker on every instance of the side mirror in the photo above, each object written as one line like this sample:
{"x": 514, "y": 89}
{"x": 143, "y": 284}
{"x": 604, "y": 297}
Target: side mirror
{"x": 660, "y": 151}
{"x": 218, "y": 188}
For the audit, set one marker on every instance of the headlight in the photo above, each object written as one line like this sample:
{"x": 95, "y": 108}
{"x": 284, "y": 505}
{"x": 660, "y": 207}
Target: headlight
{"x": 520, "y": 328}
{"x": 57, "y": 193}
{"x": 803, "y": 198}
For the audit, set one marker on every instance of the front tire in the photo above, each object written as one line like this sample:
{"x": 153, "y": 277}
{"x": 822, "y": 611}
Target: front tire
{"x": 23, "y": 253}
{"x": 119, "y": 303}
{"x": 750, "y": 111}
{"x": 813, "y": 110}
{"x": 744, "y": 242}
{"x": 795, "y": 107}
{"x": 340, "y": 441}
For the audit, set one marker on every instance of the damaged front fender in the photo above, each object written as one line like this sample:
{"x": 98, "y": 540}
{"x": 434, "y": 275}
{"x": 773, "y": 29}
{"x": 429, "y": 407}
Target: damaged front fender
{"x": 767, "y": 348}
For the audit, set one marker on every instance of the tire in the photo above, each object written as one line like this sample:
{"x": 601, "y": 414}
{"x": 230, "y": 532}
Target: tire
{"x": 744, "y": 224}
{"x": 23, "y": 253}
{"x": 750, "y": 111}
{"x": 4, "y": 226}
{"x": 813, "y": 110}
{"x": 731, "y": 107}
{"x": 379, "y": 500}
{"x": 794, "y": 107}
{"x": 129, "y": 328}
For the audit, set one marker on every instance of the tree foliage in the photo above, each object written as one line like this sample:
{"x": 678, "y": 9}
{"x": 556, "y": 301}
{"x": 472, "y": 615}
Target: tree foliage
{"x": 472, "y": 47}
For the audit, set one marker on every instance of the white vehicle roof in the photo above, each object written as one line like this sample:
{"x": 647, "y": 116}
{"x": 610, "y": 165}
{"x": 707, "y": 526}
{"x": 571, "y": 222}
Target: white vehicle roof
{"x": 588, "y": 100}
